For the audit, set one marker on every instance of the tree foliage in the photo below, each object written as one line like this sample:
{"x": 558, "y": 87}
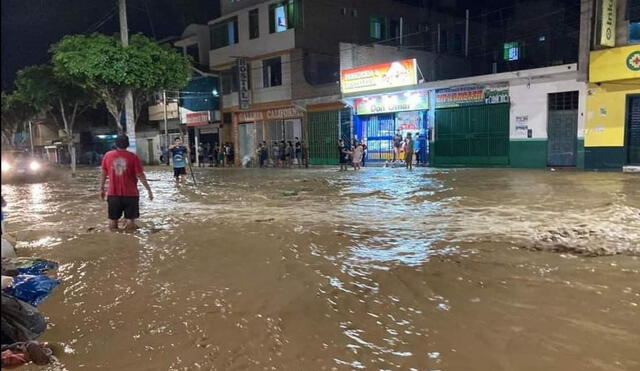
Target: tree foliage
{"x": 101, "y": 64}
{"x": 16, "y": 112}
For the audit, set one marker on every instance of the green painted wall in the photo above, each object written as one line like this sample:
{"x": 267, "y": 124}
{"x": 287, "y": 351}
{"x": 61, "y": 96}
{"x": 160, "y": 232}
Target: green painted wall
{"x": 580, "y": 157}
{"x": 604, "y": 157}
{"x": 528, "y": 153}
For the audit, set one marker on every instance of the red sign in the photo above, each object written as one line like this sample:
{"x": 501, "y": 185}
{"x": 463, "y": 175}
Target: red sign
{"x": 197, "y": 118}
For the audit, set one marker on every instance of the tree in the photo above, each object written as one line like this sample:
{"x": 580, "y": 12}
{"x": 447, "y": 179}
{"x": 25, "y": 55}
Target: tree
{"x": 100, "y": 64}
{"x": 56, "y": 96}
{"x": 16, "y": 112}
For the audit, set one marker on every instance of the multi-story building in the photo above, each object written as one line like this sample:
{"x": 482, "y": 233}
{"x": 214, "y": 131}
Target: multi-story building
{"x": 612, "y": 50}
{"x": 280, "y": 64}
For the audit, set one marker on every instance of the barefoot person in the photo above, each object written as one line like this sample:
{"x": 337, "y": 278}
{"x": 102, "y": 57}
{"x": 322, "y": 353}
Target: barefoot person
{"x": 123, "y": 168}
{"x": 408, "y": 152}
{"x": 180, "y": 156}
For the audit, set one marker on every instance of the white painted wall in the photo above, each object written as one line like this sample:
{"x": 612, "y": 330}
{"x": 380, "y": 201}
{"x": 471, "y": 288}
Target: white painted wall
{"x": 265, "y": 44}
{"x": 260, "y": 94}
{"x": 530, "y": 99}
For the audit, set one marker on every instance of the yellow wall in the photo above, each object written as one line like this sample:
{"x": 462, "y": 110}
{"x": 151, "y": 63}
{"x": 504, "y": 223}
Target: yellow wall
{"x": 606, "y": 112}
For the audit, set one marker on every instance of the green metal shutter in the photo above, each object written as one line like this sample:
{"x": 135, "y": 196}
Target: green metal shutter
{"x": 472, "y": 136}
{"x": 323, "y": 137}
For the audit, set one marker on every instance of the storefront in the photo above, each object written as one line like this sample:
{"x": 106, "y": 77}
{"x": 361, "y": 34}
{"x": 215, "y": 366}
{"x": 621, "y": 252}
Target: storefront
{"x": 386, "y": 105}
{"x": 471, "y": 126}
{"x": 271, "y": 125}
{"x": 378, "y": 119}
{"x": 612, "y": 135}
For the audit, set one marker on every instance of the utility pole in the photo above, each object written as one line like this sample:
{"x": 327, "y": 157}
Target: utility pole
{"x": 128, "y": 100}
{"x": 31, "y": 136}
{"x": 166, "y": 131}
{"x": 466, "y": 34}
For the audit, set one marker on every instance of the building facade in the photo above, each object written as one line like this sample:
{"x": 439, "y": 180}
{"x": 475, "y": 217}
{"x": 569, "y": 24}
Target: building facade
{"x": 612, "y": 138}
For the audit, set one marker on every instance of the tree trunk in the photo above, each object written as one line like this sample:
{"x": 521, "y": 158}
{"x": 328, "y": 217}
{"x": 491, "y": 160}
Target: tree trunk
{"x": 72, "y": 154}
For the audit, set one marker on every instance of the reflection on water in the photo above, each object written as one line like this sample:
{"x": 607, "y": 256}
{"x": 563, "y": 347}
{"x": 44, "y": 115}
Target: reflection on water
{"x": 381, "y": 269}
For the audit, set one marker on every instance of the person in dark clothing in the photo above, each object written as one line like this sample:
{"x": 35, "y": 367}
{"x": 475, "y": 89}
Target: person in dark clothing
{"x": 283, "y": 156}
{"x": 305, "y": 154}
{"x": 343, "y": 155}
{"x": 298, "y": 151}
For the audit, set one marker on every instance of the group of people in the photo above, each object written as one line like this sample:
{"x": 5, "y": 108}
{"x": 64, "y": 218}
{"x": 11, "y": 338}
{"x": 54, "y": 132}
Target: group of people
{"x": 354, "y": 155}
{"x": 410, "y": 146}
{"x": 215, "y": 155}
{"x": 283, "y": 154}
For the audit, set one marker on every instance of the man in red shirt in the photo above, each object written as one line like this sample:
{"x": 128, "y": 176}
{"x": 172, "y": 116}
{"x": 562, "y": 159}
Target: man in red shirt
{"x": 123, "y": 168}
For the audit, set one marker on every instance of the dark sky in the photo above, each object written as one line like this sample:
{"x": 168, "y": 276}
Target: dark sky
{"x": 29, "y": 27}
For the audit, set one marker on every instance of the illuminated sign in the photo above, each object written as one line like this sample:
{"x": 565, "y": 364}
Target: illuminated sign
{"x": 615, "y": 64}
{"x": 409, "y": 101}
{"x": 607, "y": 23}
{"x": 379, "y": 76}
{"x": 471, "y": 95}
{"x": 243, "y": 84}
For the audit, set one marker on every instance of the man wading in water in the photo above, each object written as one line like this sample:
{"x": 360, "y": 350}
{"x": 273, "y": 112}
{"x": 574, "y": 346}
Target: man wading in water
{"x": 123, "y": 169}
{"x": 180, "y": 156}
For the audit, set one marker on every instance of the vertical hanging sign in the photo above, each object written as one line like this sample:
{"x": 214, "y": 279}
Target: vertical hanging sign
{"x": 244, "y": 100}
{"x": 607, "y": 23}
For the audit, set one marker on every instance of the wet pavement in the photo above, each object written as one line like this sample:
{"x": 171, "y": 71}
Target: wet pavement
{"x": 315, "y": 269}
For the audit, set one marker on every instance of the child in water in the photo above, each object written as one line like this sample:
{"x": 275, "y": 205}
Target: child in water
{"x": 356, "y": 156}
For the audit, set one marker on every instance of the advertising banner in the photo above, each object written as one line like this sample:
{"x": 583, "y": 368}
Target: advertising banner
{"x": 472, "y": 95}
{"x": 409, "y": 101}
{"x": 615, "y": 64}
{"x": 379, "y": 76}
{"x": 607, "y": 22}
{"x": 243, "y": 84}
{"x": 194, "y": 118}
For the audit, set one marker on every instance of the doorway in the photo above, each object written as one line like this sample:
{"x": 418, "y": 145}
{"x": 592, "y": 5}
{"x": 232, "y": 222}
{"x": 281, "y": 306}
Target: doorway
{"x": 562, "y": 129}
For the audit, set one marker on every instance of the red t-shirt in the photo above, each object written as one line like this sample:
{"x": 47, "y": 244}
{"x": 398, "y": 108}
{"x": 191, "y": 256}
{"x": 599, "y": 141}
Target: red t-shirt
{"x": 122, "y": 168}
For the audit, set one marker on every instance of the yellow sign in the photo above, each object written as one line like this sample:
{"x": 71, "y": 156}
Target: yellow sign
{"x": 608, "y": 23}
{"x": 615, "y": 64}
{"x": 379, "y": 76}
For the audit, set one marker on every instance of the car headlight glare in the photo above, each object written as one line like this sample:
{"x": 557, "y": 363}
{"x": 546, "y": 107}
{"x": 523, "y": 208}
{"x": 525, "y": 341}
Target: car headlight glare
{"x": 34, "y": 165}
{"x": 5, "y": 166}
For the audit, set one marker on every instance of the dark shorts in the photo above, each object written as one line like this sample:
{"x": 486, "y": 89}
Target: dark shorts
{"x": 177, "y": 171}
{"x": 127, "y": 205}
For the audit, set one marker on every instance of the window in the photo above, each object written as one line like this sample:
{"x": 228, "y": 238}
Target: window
{"x": 285, "y": 15}
{"x": 254, "y": 24}
{"x": 443, "y": 41}
{"x": 457, "y": 43}
{"x": 563, "y": 101}
{"x": 272, "y": 72}
{"x": 377, "y": 26}
{"x": 354, "y": 13}
{"x": 511, "y": 51}
{"x": 634, "y": 32}
{"x": 224, "y": 33}
{"x": 230, "y": 80}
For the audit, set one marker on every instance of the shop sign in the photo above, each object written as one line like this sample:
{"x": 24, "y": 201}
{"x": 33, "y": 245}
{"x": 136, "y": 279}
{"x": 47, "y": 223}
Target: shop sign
{"x": 379, "y": 76}
{"x": 243, "y": 84}
{"x": 191, "y": 118}
{"x": 607, "y": 23}
{"x": 471, "y": 95}
{"x": 409, "y": 122}
{"x": 270, "y": 114}
{"x": 409, "y": 101}
{"x": 615, "y": 64}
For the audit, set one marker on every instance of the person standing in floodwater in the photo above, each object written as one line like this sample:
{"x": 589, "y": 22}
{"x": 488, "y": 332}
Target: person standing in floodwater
{"x": 356, "y": 156}
{"x": 180, "y": 156}
{"x": 343, "y": 155}
{"x": 408, "y": 152}
{"x": 123, "y": 169}
{"x": 417, "y": 148}
{"x": 275, "y": 154}
{"x": 298, "y": 151}
{"x": 397, "y": 146}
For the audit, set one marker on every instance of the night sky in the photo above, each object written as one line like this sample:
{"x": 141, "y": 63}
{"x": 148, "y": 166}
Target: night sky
{"x": 29, "y": 27}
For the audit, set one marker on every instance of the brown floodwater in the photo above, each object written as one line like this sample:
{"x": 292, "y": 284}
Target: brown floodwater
{"x": 320, "y": 270}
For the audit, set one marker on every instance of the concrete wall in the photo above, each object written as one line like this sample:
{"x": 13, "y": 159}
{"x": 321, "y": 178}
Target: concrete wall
{"x": 267, "y": 43}
{"x": 529, "y": 103}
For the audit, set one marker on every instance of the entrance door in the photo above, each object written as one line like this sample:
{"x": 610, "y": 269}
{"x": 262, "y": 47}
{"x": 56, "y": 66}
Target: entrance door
{"x": 633, "y": 126}
{"x": 562, "y": 129}
{"x": 247, "y": 142}
{"x": 323, "y": 137}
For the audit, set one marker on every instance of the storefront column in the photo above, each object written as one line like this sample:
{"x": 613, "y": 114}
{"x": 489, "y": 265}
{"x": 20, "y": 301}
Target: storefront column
{"x": 236, "y": 139}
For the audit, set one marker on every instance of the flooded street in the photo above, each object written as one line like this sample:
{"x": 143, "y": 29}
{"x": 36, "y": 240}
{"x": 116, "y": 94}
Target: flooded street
{"x": 321, "y": 270}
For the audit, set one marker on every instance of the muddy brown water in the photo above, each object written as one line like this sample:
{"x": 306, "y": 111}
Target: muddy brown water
{"x": 321, "y": 270}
